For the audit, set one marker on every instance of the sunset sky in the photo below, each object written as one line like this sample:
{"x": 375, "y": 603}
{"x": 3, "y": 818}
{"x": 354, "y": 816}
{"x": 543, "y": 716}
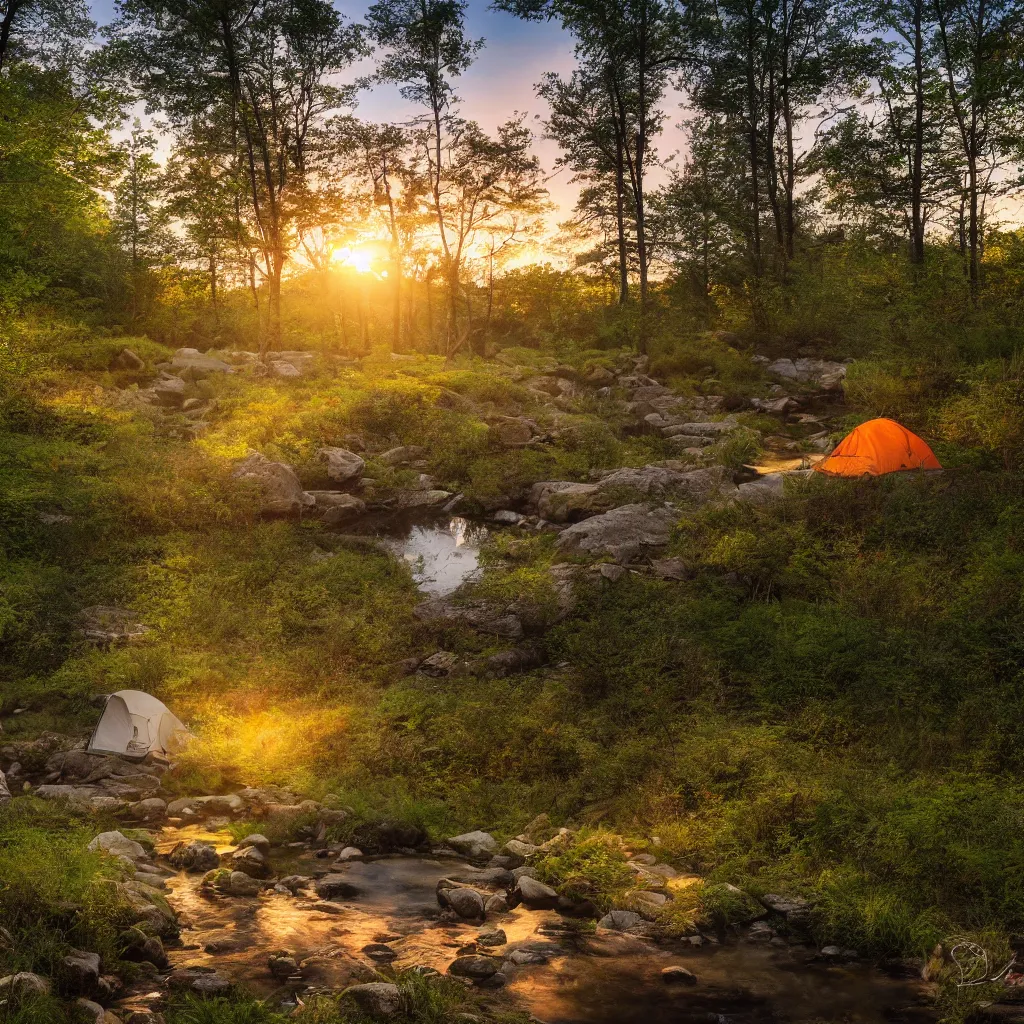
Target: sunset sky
{"x": 501, "y": 82}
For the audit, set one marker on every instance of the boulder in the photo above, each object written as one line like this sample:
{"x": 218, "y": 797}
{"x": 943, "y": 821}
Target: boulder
{"x": 251, "y": 862}
{"x": 117, "y": 845}
{"x": 282, "y": 368}
{"x": 377, "y": 999}
{"x": 336, "y": 887}
{"x": 5, "y": 792}
{"x": 169, "y": 392}
{"x": 562, "y": 501}
{"x": 126, "y": 359}
{"x": 620, "y": 921}
{"x": 627, "y": 533}
{"x": 766, "y": 488}
{"x": 423, "y": 499}
{"x": 203, "y": 982}
{"x": 524, "y": 957}
{"x": 197, "y": 364}
{"x": 475, "y": 845}
{"x": 79, "y": 972}
{"x": 494, "y": 937}
{"x": 535, "y": 895}
{"x": 278, "y": 486}
{"x": 710, "y": 428}
{"x": 339, "y": 508}
{"x": 403, "y": 455}
{"x": 677, "y": 975}
{"x": 343, "y": 466}
{"x": 497, "y": 904}
{"x": 824, "y": 372}
{"x": 350, "y": 853}
{"x": 670, "y": 568}
{"x": 257, "y": 841}
{"x": 512, "y": 432}
{"x": 475, "y": 967}
{"x": 600, "y": 377}
{"x": 150, "y": 807}
{"x": 90, "y": 1010}
{"x": 467, "y": 903}
{"x": 194, "y": 856}
{"x": 23, "y": 984}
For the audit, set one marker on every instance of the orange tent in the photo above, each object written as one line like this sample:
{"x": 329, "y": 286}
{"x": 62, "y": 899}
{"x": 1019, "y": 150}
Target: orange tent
{"x": 877, "y": 447}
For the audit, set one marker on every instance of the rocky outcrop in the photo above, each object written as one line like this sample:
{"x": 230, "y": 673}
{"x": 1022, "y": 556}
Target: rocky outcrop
{"x": 481, "y": 615}
{"x": 823, "y": 372}
{"x": 277, "y": 485}
{"x": 114, "y": 844}
{"x": 626, "y": 534}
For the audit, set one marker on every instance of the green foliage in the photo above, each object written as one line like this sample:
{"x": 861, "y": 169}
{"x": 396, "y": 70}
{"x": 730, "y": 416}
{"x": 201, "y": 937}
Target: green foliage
{"x": 592, "y": 866}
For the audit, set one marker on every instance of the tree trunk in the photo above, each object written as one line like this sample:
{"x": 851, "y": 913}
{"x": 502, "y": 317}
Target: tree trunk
{"x": 752, "y": 122}
{"x": 620, "y": 223}
{"x": 917, "y": 170}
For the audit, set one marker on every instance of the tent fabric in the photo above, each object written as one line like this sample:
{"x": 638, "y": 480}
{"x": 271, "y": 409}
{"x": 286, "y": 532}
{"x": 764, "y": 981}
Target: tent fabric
{"x": 134, "y": 723}
{"x": 877, "y": 447}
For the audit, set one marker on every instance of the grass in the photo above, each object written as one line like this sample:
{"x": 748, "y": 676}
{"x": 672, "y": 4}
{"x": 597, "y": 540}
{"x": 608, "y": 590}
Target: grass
{"x": 827, "y": 707}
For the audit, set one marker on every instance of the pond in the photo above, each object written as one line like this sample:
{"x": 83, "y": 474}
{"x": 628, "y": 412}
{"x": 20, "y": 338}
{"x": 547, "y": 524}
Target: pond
{"x": 441, "y": 553}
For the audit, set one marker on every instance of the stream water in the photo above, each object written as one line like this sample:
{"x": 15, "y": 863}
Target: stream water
{"x": 601, "y": 979}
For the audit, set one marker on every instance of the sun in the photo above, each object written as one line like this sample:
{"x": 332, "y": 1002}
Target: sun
{"x": 360, "y": 259}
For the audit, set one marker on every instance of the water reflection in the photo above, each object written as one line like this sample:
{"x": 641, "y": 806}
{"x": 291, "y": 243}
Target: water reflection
{"x": 442, "y": 553}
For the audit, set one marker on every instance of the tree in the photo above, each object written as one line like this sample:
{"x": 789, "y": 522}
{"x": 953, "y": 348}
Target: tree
{"x": 426, "y": 48}
{"x": 140, "y": 216}
{"x": 635, "y": 45}
{"x": 260, "y": 74}
{"x": 380, "y": 153}
{"x": 980, "y": 62}
{"x": 47, "y": 33}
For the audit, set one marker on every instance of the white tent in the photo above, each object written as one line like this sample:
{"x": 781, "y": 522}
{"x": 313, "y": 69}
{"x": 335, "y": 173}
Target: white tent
{"x": 134, "y": 723}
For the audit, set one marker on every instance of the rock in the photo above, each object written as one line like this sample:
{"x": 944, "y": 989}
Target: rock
{"x": 89, "y": 1009}
{"x": 626, "y": 533}
{"x": 199, "y": 365}
{"x": 517, "y": 848}
{"x": 251, "y": 861}
{"x": 194, "y": 856}
{"x": 824, "y": 372}
{"x": 562, "y": 501}
{"x": 151, "y": 807}
{"x": 670, "y": 568}
{"x": 293, "y": 883}
{"x": 278, "y": 486}
{"x": 506, "y": 517}
{"x": 378, "y": 998}
{"x": 23, "y": 984}
{"x": 144, "y": 1017}
{"x": 343, "y": 466}
{"x": 5, "y": 792}
{"x": 697, "y": 485}
{"x": 481, "y": 615}
{"x": 535, "y": 895}
{"x": 475, "y": 845}
{"x": 495, "y": 937}
{"x": 380, "y": 951}
{"x": 202, "y": 982}
{"x": 281, "y": 965}
{"x": 336, "y": 886}
{"x": 467, "y": 903}
{"x": 478, "y": 968}
{"x": 423, "y": 499}
{"x": 620, "y": 920}
{"x": 126, "y": 359}
{"x": 169, "y": 392}
{"x": 338, "y": 507}
{"x": 497, "y": 904}
{"x": 440, "y": 663}
{"x": 793, "y": 908}
{"x": 768, "y": 487}
{"x": 117, "y": 845}
{"x": 599, "y": 376}
{"x": 403, "y": 455}
{"x": 107, "y": 624}
{"x": 709, "y": 428}
{"x": 678, "y": 976}
{"x": 79, "y": 972}
{"x": 282, "y": 368}
{"x": 524, "y": 957}
{"x": 257, "y": 841}
{"x": 350, "y": 853}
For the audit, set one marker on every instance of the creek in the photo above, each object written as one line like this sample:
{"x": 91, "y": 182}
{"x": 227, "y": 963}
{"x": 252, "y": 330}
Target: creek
{"x": 587, "y": 979}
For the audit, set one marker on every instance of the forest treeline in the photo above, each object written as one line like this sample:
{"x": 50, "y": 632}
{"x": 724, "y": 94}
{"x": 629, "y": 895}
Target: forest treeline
{"x": 813, "y": 127}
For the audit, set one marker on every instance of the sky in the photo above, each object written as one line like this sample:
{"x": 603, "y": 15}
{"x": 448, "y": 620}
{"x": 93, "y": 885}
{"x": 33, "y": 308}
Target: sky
{"x": 501, "y": 82}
